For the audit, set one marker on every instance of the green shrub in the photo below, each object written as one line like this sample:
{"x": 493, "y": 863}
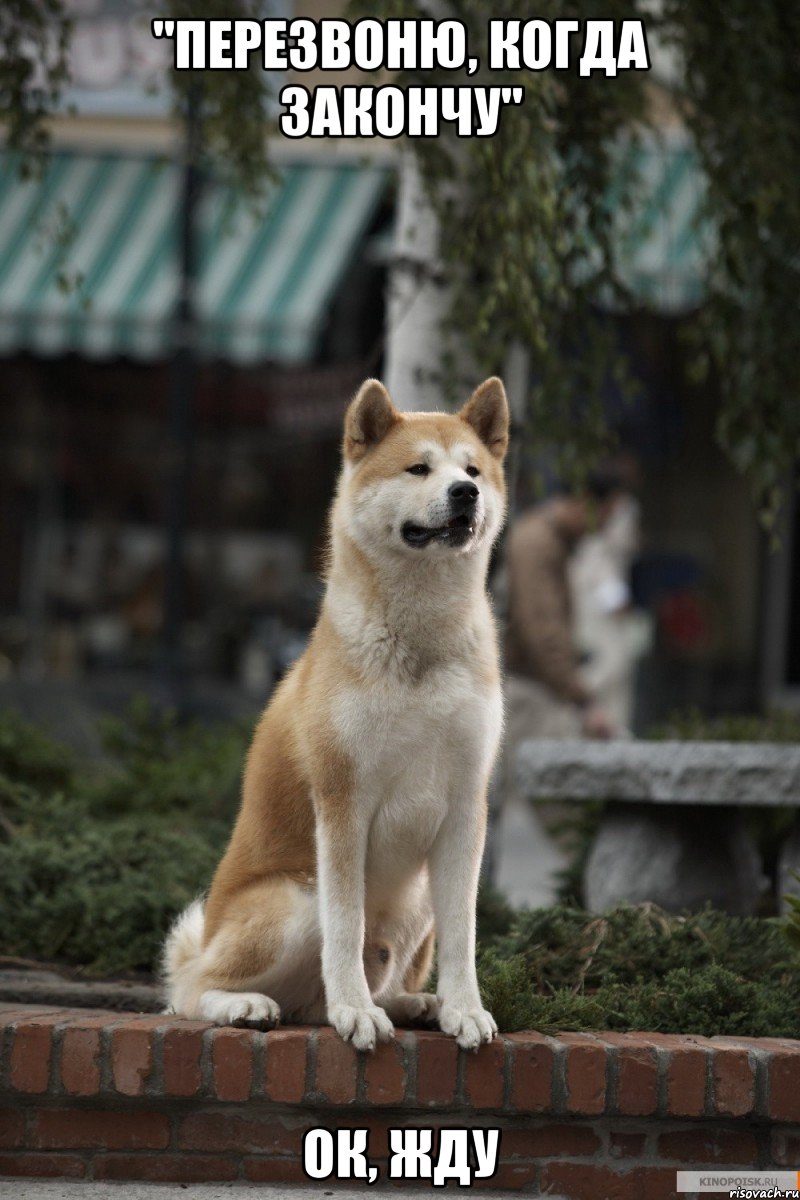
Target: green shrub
{"x": 30, "y": 756}
{"x": 95, "y": 863}
{"x": 160, "y": 765}
{"x": 637, "y": 968}
{"x": 100, "y": 894}
{"x": 96, "y": 860}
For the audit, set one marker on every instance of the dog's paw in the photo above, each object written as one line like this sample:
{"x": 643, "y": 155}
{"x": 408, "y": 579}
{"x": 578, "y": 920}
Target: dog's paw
{"x": 361, "y": 1026}
{"x": 250, "y": 1009}
{"x": 469, "y": 1026}
{"x": 413, "y": 1006}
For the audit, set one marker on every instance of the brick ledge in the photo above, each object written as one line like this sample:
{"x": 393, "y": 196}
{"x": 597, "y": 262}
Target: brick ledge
{"x": 121, "y": 1095}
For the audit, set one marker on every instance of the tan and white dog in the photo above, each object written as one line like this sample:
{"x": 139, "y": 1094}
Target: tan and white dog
{"x": 364, "y": 802}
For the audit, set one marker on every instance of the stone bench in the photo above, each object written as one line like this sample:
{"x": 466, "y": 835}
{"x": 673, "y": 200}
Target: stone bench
{"x": 672, "y": 831}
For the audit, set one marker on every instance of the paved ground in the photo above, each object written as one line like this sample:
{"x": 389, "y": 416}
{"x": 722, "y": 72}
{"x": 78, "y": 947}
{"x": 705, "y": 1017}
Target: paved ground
{"x": 527, "y": 858}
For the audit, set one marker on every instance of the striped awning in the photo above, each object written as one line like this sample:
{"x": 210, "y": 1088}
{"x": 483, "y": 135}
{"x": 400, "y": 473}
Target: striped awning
{"x": 662, "y": 242}
{"x": 89, "y": 257}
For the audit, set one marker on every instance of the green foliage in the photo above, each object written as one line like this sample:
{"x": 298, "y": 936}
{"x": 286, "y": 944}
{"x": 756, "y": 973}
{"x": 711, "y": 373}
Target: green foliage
{"x": 526, "y": 227}
{"x": 637, "y": 968}
{"x": 233, "y": 106}
{"x": 34, "y": 36}
{"x": 494, "y": 915}
{"x": 567, "y": 947}
{"x": 99, "y": 894}
{"x": 692, "y": 725}
{"x": 163, "y": 766}
{"x": 792, "y": 923}
{"x": 743, "y": 109}
{"x": 95, "y": 862}
{"x": 30, "y": 755}
{"x": 519, "y": 211}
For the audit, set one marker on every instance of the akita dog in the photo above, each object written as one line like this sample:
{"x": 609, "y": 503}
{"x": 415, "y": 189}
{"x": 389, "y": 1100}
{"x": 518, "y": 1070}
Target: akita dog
{"x": 364, "y": 799}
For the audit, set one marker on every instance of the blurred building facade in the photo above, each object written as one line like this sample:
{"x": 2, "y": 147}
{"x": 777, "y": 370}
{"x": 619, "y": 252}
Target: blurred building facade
{"x": 290, "y": 316}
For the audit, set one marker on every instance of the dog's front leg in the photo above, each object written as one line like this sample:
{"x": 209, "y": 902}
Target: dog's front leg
{"x": 341, "y": 856}
{"x": 454, "y": 866}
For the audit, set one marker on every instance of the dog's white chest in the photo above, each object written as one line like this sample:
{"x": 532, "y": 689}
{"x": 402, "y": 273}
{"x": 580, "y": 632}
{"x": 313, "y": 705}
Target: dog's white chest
{"x": 415, "y": 751}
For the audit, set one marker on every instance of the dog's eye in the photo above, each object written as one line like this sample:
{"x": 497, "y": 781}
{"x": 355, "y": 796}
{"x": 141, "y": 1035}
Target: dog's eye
{"x": 419, "y": 469}
{"x": 472, "y": 471}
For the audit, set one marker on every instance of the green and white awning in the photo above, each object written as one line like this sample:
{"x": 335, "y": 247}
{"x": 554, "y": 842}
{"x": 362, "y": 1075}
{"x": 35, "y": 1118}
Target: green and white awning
{"x": 662, "y": 243}
{"x": 88, "y": 258}
{"x": 88, "y": 252}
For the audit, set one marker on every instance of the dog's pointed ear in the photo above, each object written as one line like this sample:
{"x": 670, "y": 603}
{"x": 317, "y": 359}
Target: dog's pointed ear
{"x": 369, "y": 418}
{"x": 487, "y": 412}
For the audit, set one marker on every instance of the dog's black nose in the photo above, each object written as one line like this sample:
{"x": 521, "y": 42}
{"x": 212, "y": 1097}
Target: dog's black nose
{"x": 462, "y": 494}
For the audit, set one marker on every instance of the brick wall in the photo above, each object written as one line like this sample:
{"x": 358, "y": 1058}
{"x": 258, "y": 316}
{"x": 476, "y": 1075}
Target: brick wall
{"x": 102, "y": 1095}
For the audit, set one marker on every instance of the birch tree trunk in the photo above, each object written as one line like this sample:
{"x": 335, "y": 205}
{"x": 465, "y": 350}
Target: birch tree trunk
{"x": 418, "y": 299}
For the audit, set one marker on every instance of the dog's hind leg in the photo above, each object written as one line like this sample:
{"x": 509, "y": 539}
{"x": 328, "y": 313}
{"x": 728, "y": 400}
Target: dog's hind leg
{"x": 261, "y": 959}
{"x": 409, "y": 1003}
{"x": 250, "y": 1009}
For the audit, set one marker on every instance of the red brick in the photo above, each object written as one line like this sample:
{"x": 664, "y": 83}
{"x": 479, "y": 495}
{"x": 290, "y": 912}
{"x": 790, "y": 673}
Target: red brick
{"x": 637, "y": 1074}
{"x": 286, "y": 1065}
{"x": 532, "y": 1059}
{"x": 550, "y": 1141}
{"x": 385, "y": 1073}
{"x": 31, "y": 1053}
{"x": 12, "y": 1128}
{"x": 585, "y": 1074}
{"x": 709, "y": 1147}
{"x": 785, "y": 1148}
{"x": 484, "y": 1072}
{"x": 337, "y": 1065}
{"x": 687, "y": 1072}
{"x": 751, "y": 1043}
{"x": 274, "y": 1170}
{"x": 68, "y": 1129}
{"x": 42, "y": 1166}
{"x": 581, "y": 1181}
{"x": 232, "y": 1063}
{"x": 377, "y": 1130}
{"x": 512, "y": 1177}
{"x": 80, "y": 1061}
{"x": 10, "y": 1012}
{"x": 626, "y": 1145}
{"x": 437, "y": 1062}
{"x": 131, "y": 1058}
{"x": 734, "y": 1083}
{"x": 182, "y": 1048}
{"x": 166, "y": 1168}
{"x": 658, "y": 1183}
{"x": 784, "y": 1085}
{"x": 217, "y": 1132}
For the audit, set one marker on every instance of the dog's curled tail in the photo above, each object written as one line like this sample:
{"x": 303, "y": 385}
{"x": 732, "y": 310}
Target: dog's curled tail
{"x": 182, "y": 950}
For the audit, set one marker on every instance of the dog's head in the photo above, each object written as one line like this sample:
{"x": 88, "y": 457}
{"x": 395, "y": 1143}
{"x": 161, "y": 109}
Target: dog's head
{"x": 427, "y": 484}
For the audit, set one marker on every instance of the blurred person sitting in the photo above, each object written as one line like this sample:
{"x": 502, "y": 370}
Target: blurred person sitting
{"x": 547, "y": 695}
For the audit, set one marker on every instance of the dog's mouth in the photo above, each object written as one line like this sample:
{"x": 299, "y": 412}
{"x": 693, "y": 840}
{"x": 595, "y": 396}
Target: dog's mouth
{"x": 456, "y": 532}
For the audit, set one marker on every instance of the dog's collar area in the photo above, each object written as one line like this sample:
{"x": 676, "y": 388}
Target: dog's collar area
{"x": 456, "y": 532}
